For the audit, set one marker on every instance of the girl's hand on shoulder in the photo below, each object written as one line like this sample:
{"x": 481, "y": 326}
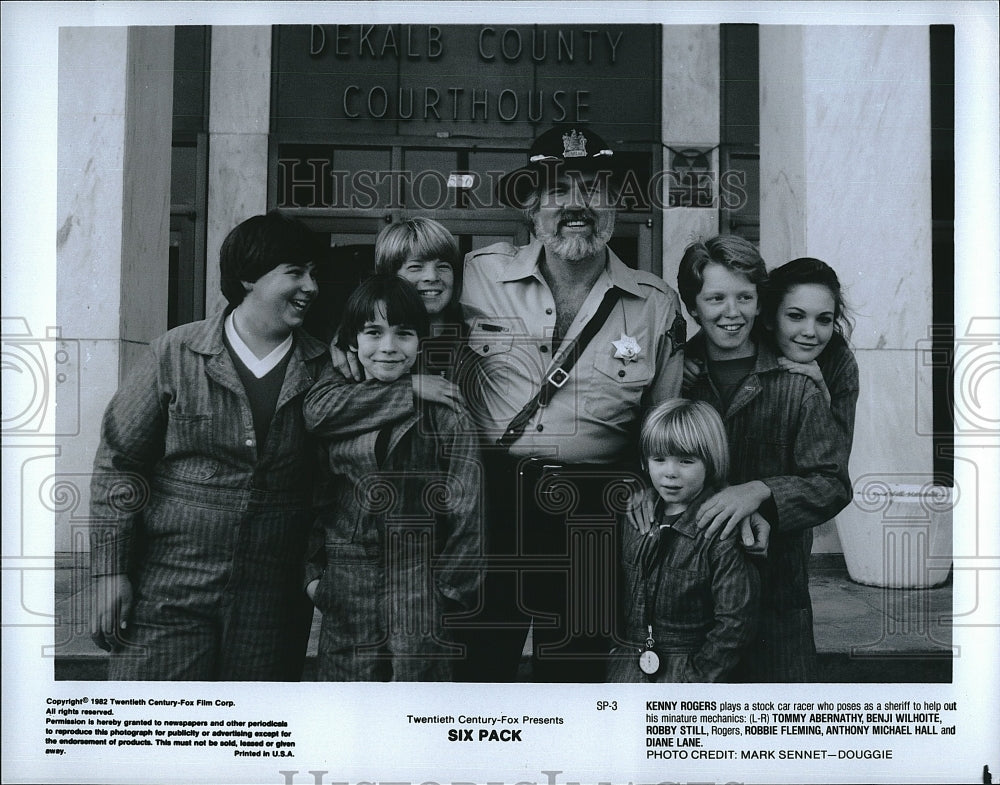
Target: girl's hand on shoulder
{"x": 429, "y": 387}
{"x": 720, "y": 514}
{"x": 692, "y": 370}
{"x": 346, "y": 363}
{"x": 810, "y": 369}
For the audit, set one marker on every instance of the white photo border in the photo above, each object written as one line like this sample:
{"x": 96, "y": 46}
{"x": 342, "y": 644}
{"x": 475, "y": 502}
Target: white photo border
{"x": 353, "y": 733}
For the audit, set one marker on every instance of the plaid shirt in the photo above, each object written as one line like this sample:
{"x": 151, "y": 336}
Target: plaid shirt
{"x": 700, "y": 596}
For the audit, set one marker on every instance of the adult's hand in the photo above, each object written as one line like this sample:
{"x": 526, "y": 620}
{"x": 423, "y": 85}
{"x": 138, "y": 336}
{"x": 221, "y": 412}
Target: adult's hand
{"x": 429, "y": 387}
{"x": 346, "y": 362}
{"x": 720, "y": 513}
{"x": 110, "y": 611}
{"x": 311, "y": 589}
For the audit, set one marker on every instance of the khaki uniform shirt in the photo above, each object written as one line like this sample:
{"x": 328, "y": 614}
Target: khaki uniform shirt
{"x": 595, "y": 416}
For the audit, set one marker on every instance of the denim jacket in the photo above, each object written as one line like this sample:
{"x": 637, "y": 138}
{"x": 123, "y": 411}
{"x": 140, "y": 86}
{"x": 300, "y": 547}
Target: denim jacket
{"x": 398, "y": 547}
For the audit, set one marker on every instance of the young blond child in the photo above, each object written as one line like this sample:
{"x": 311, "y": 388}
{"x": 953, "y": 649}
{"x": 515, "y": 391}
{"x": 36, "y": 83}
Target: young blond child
{"x": 689, "y": 603}
{"x": 423, "y": 252}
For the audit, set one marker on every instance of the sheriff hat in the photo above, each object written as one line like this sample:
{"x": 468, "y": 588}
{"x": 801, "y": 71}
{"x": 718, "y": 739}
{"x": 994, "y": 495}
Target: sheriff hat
{"x": 561, "y": 149}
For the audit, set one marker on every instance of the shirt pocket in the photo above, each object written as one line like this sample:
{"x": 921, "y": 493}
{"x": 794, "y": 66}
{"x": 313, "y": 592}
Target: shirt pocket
{"x": 615, "y": 387}
{"x": 489, "y": 337}
{"x": 189, "y": 437}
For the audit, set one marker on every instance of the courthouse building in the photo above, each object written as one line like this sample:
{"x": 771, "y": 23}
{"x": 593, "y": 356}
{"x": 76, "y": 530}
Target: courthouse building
{"x": 833, "y": 142}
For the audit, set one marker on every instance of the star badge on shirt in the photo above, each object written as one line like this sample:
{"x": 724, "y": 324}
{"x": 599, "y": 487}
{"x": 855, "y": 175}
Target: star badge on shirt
{"x": 626, "y": 349}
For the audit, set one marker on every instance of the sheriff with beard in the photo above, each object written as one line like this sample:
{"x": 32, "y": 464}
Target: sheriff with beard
{"x": 571, "y": 348}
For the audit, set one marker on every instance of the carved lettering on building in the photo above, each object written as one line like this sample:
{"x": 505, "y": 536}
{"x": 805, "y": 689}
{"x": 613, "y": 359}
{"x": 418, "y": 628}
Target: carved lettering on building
{"x": 494, "y": 46}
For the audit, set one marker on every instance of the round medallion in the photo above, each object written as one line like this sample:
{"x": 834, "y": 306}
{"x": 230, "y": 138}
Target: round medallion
{"x": 649, "y": 663}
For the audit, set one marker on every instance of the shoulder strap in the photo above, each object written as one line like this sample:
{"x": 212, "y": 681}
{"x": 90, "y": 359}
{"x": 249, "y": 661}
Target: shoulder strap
{"x": 559, "y": 371}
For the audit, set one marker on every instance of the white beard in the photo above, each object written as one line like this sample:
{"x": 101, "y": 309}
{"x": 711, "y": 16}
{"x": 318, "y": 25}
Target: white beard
{"x": 574, "y": 248}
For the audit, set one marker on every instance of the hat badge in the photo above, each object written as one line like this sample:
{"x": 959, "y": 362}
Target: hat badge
{"x": 574, "y": 145}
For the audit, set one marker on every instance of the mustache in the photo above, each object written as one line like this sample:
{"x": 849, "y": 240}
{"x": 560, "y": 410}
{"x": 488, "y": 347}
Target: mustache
{"x": 577, "y": 214}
